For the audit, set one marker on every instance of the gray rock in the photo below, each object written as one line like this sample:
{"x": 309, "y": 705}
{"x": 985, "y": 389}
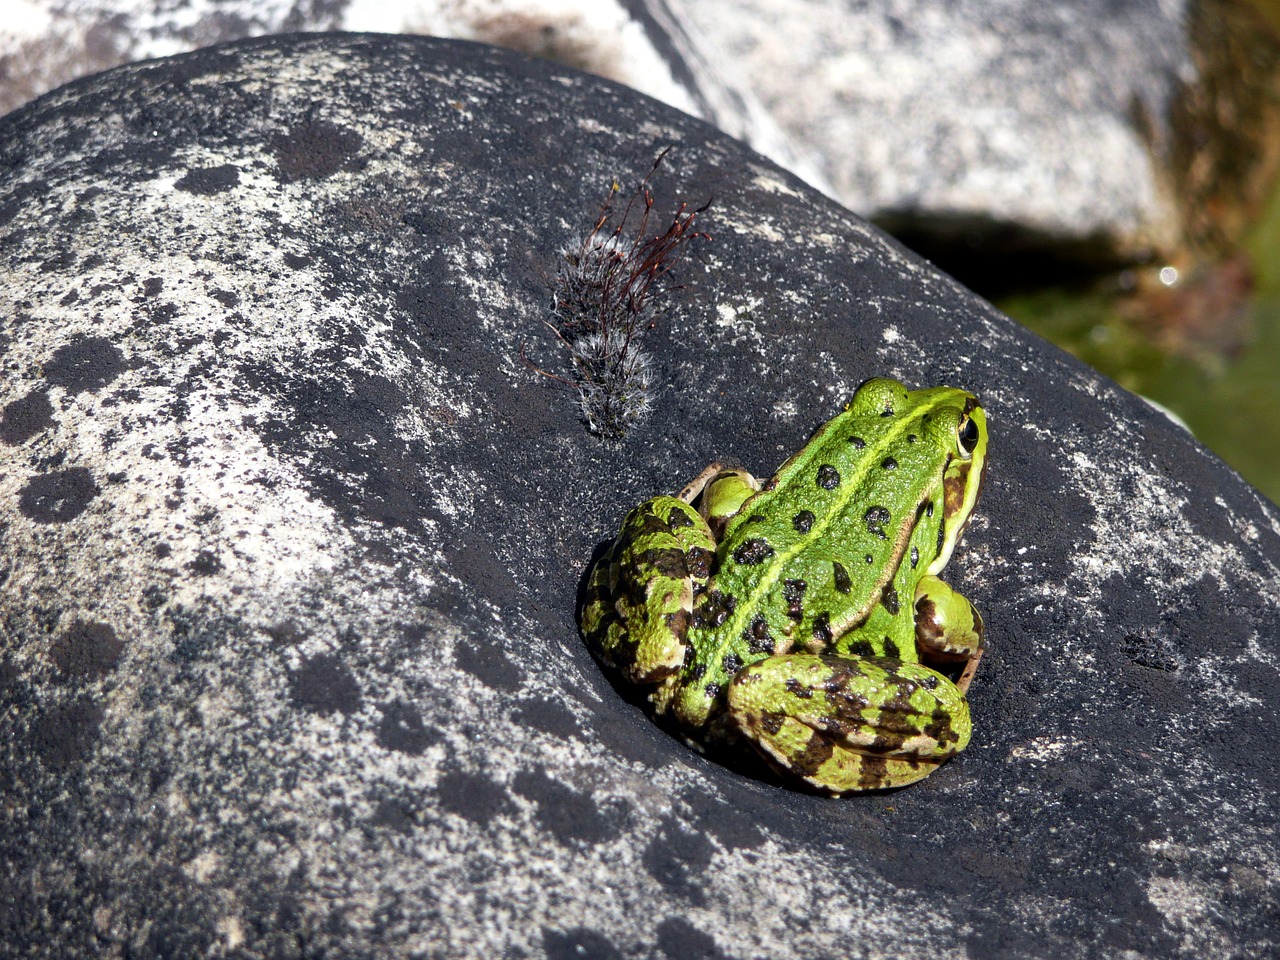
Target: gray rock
{"x": 292, "y": 536}
{"x": 1073, "y": 126}
{"x": 636, "y": 42}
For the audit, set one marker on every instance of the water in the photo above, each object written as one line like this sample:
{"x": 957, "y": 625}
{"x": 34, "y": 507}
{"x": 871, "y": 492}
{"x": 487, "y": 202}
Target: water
{"x": 1206, "y": 347}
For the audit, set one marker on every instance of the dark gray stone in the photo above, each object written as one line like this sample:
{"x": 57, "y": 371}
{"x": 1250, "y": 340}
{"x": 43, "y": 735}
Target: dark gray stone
{"x": 291, "y": 538}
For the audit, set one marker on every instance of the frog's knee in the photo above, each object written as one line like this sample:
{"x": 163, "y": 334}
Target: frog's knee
{"x": 877, "y": 397}
{"x": 724, "y": 496}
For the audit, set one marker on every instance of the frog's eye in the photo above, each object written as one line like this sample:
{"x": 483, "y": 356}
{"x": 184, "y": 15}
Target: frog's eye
{"x": 968, "y": 436}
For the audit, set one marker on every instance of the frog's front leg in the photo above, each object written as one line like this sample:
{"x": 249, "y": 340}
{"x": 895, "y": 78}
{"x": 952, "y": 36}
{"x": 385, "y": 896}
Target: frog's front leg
{"x": 639, "y": 596}
{"x": 948, "y": 627}
{"x": 849, "y": 723}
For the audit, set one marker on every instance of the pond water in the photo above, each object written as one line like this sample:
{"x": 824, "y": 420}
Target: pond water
{"x": 1207, "y": 347}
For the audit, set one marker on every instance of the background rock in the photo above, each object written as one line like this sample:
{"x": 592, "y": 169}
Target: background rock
{"x": 1089, "y": 128}
{"x": 1085, "y": 129}
{"x": 292, "y": 537}
{"x": 636, "y": 42}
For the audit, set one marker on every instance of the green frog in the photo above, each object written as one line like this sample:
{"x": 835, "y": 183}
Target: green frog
{"x": 795, "y": 615}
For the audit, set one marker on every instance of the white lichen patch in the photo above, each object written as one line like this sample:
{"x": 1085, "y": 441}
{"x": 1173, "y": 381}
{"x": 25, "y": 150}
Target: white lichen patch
{"x": 740, "y": 321}
{"x": 770, "y": 182}
{"x": 1045, "y": 748}
{"x": 1139, "y": 512}
{"x": 1189, "y": 909}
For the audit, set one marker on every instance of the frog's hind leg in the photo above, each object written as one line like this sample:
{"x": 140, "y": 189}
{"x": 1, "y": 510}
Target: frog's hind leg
{"x": 639, "y": 596}
{"x": 848, "y": 724}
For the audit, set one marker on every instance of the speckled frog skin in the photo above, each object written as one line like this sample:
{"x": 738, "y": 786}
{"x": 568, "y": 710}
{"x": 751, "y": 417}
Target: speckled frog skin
{"x": 795, "y": 616}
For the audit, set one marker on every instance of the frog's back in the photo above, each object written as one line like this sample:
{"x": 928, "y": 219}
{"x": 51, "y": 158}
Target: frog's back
{"x": 835, "y": 541}
{"x": 821, "y": 542}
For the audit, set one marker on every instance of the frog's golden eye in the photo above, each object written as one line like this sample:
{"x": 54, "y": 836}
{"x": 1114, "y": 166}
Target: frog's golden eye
{"x": 968, "y": 436}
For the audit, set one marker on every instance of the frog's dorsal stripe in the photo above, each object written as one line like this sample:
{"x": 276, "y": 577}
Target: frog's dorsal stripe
{"x": 871, "y": 457}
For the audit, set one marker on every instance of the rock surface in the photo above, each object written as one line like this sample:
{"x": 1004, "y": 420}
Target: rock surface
{"x": 45, "y": 43}
{"x": 974, "y": 130}
{"x": 290, "y": 540}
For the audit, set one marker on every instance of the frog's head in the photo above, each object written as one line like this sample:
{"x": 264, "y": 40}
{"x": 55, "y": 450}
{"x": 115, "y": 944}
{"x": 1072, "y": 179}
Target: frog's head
{"x": 965, "y": 472}
{"x": 954, "y": 428}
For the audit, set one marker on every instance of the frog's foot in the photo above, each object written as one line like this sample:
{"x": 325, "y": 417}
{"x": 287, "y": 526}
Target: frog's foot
{"x": 720, "y": 492}
{"x": 846, "y": 724}
{"x": 948, "y": 628}
{"x": 639, "y": 597}
{"x": 693, "y": 489}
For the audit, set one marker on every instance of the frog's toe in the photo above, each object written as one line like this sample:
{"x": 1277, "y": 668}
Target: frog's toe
{"x": 845, "y": 724}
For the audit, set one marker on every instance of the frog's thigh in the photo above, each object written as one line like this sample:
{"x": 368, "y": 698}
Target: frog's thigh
{"x": 640, "y": 595}
{"x": 947, "y": 625}
{"x": 604, "y": 631}
{"x": 845, "y": 724}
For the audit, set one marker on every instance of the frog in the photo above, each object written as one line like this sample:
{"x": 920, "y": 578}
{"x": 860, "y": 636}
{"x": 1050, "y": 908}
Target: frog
{"x": 804, "y": 616}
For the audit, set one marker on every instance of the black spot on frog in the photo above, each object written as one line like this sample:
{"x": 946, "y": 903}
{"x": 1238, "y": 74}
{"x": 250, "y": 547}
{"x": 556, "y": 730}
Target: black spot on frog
{"x": 758, "y": 637}
{"x": 828, "y": 477}
{"x": 713, "y": 608}
{"x": 875, "y": 519}
{"x": 793, "y": 593}
{"x": 841, "y": 577}
{"x": 889, "y": 600}
{"x": 753, "y": 551}
{"x": 822, "y": 628}
{"x": 798, "y": 689}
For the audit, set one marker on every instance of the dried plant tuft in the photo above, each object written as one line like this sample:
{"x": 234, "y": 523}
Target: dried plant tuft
{"x": 603, "y": 293}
